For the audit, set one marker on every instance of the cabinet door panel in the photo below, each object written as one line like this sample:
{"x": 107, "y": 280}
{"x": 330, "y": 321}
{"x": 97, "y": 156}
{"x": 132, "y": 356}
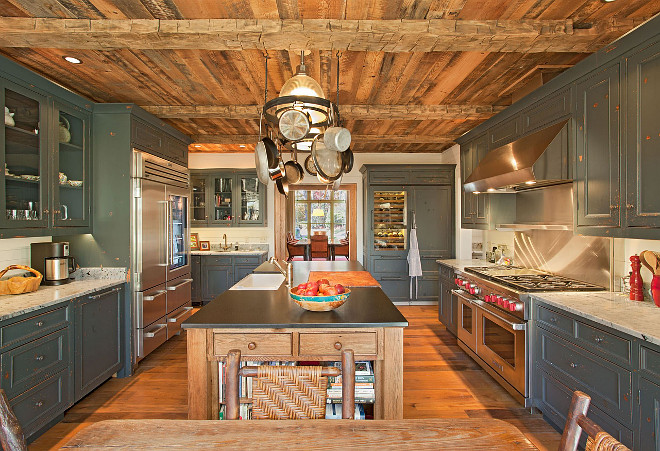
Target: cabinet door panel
{"x": 505, "y": 132}
{"x": 196, "y": 274}
{"x": 643, "y": 140}
{"x": 649, "y": 412}
{"x": 547, "y": 111}
{"x": 598, "y": 152}
{"x": 467, "y": 199}
{"x": 217, "y": 280}
{"x": 480, "y": 203}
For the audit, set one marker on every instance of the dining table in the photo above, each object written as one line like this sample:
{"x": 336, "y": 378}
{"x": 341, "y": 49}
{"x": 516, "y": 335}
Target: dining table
{"x": 419, "y": 434}
{"x": 306, "y": 245}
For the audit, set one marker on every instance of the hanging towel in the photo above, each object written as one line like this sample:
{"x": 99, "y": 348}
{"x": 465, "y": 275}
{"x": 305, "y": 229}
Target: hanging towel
{"x": 414, "y": 262}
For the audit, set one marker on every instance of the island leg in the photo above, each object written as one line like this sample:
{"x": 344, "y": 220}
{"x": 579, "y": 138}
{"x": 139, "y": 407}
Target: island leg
{"x": 389, "y": 374}
{"x": 200, "y": 376}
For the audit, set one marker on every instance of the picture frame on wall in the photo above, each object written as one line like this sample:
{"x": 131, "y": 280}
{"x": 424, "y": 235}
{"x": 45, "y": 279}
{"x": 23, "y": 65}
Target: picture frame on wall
{"x": 194, "y": 241}
{"x": 204, "y": 245}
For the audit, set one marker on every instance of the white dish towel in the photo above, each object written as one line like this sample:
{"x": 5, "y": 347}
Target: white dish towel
{"x": 414, "y": 262}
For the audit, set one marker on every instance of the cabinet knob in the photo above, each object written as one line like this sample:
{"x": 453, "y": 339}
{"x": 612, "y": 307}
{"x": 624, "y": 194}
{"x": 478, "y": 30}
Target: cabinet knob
{"x": 573, "y": 365}
{"x": 38, "y": 403}
{"x": 252, "y": 346}
{"x": 338, "y": 346}
{"x": 630, "y": 206}
{"x": 40, "y": 323}
{"x": 614, "y": 207}
{"x": 598, "y": 339}
{"x": 553, "y": 320}
{"x": 39, "y": 357}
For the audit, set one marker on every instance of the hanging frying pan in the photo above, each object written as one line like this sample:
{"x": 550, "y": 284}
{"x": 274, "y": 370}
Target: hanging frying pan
{"x": 328, "y": 163}
{"x": 282, "y": 186}
{"x": 294, "y": 172}
{"x": 294, "y": 124}
{"x": 347, "y": 160}
{"x": 309, "y": 165}
{"x": 271, "y": 152}
{"x": 261, "y": 161}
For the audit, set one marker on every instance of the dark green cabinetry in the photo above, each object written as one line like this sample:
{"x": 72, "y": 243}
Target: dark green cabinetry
{"x": 227, "y": 198}
{"x": 649, "y": 415}
{"x": 98, "y": 339}
{"x": 393, "y": 200}
{"x": 597, "y": 150}
{"x": 474, "y": 207}
{"x": 152, "y": 139}
{"x": 214, "y": 274}
{"x": 546, "y": 112}
{"x": 447, "y": 305}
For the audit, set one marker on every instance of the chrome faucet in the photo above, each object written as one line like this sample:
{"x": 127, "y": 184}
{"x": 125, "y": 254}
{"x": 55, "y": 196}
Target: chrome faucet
{"x": 224, "y": 237}
{"x": 287, "y": 271}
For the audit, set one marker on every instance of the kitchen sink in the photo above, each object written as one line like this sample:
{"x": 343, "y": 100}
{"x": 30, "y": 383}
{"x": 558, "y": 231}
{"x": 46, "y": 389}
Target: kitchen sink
{"x": 259, "y": 282}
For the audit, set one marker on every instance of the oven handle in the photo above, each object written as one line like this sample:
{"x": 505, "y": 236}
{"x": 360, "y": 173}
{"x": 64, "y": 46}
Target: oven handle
{"x": 514, "y": 326}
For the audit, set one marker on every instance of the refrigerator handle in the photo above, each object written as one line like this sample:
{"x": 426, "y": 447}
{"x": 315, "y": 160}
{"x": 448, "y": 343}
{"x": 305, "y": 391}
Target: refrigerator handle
{"x": 170, "y": 231}
{"x": 163, "y": 242}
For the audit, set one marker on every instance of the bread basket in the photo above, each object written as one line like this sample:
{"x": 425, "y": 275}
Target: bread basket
{"x": 19, "y": 284}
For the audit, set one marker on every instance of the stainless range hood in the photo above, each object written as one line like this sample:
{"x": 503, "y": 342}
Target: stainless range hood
{"x": 535, "y": 160}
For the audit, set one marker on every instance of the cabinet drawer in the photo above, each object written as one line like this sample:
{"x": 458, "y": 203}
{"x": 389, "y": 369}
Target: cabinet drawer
{"x": 175, "y": 319}
{"x": 27, "y": 365}
{"x": 432, "y": 177}
{"x": 609, "y": 385}
{"x": 253, "y": 344}
{"x": 152, "y": 305}
{"x": 179, "y": 293}
{"x": 216, "y": 260}
{"x": 34, "y": 326}
{"x": 152, "y": 337}
{"x": 395, "y": 177}
{"x": 42, "y": 403}
{"x": 146, "y": 137}
{"x": 547, "y": 111}
{"x": 247, "y": 260}
{"x": 554, "y": 319}
{"x": 323, "y": 344}
{"x": 390, "y": 266}
{"x": 446, "y": 272}
{"x": 649, "y": 361}
{"x": 605, "y": 342}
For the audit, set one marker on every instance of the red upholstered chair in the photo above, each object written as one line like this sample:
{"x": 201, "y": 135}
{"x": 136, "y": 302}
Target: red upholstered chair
{"x": 319, "y": 246}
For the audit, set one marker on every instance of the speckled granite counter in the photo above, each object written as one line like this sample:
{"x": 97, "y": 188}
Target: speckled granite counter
{"x": 461, "y": 264}
{"x": 612, "y": 309}
{"x": 15, "y": 305}
{"x": 257, "y": 252}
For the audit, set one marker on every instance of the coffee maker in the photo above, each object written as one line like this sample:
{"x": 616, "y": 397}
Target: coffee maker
{"x": 53, "y": 262}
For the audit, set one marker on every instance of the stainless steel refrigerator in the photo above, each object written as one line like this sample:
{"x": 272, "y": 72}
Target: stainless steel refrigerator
{"x": 161, "y": 250}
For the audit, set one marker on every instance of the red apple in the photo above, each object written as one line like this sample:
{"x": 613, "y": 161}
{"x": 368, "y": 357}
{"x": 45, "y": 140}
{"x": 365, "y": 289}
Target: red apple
{"x": 302, "y": 287}
{"x": 309, "y": 293}
{"x": 340, "y": 288}
{"x": 311, "y": 285}
{"x": 332, "y": 291}
{"x": 323, "y": 281}
{"x": 323, "y": 287}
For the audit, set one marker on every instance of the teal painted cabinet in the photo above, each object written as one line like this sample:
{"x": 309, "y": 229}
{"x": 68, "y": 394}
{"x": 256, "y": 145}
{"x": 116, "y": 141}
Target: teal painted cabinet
{"x": 227, "y": 198}
{"x": 218, "y": 273}
{"x": 474, "y": 207}
{"x": 649, "y": 415}
{"x": 447, "y": 305}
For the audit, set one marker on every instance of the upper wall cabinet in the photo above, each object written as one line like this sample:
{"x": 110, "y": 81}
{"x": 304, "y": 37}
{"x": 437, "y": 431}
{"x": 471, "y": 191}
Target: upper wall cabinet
{"x": 547, "y": 111}
{"x": 148, "y": 138}
{"x": 642, "y": 140}
{"x": 46, "y": 154}
{"x": 474, "y": 207}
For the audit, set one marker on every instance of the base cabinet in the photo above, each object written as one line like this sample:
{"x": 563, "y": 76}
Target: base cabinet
{"x": 446, "y": 302}
{"x": 214, "y": 274}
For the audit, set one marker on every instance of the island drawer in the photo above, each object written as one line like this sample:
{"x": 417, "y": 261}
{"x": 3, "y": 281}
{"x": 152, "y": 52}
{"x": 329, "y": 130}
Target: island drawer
{"x": 280, "y": 344}
{"x": 649, "y": 361}
{"x": 325, "y": 344}
{"x": 34, "y": 326}
{"x": 605, "y": 342}
{"x": 554, "y": 319}
{"x": 247, "y": 260}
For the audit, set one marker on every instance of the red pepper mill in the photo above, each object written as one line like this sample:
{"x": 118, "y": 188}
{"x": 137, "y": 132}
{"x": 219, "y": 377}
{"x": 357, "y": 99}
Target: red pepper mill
{"x": 636, "y": 282}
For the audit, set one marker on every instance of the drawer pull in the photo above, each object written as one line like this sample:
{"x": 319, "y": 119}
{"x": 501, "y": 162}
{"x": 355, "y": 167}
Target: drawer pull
{"x": 553, "y": 320}
{"x": 178, "y": 317}
{"x": 39, "y": 358}
{"x": 252, "y": 346}
{"x": 176, "y": 287}
{"x": 40, "y": 323}
{"x": 574, "y": 365}
{"x": 153, "y": 333}
{"x": 338, "y": 346}
{"x": 38, "y": 403}
{"x": 598, "y": 339}
{"x": 154, "y": 295}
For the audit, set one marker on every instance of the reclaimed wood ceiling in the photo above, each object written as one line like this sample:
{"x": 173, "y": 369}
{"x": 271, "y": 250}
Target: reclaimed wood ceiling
{"x": 414, "y": 74}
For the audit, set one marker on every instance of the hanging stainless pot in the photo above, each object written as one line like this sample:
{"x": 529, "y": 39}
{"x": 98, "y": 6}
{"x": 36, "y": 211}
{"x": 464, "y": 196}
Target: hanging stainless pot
{"x": 328, "y": 163}
{"x": 294, "y": 124}
{"x": 282, "y": 186}
{"x": 276, "y": 169}
{"x": 309, "y": 165}
{"x": 294, "y": 172}
{"x": 337, "y": 183}
{"x": 261, "y": 162}
{"x": 337, "y": 138}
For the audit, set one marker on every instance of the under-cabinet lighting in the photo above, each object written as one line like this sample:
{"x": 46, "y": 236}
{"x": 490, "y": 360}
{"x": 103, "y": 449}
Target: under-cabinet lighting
{"x": 72, "y": 60}
{"x": 476, "y": 192}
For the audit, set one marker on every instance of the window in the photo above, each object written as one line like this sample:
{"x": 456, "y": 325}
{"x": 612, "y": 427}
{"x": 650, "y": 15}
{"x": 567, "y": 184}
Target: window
{"x": 322, "y": 210}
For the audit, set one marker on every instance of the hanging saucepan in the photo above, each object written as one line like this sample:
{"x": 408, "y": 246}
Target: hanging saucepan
{"x": 294, "y": 124}
{"x": 282, "y": 186}
{"x": 261, "y": 161}
{"x": 328, "y": 163}
{"x": 276, "y": 168}
{"x": 347, "y": 160}
{"x": 337, "y": 138}
{"x": 309, "y": 165}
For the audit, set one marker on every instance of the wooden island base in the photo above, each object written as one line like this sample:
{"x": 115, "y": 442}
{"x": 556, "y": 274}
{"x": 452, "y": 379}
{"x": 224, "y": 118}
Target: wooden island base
{"x": 207, "y": 347}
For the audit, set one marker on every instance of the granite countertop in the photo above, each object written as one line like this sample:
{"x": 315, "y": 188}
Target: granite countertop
{"x": 12, "y": 305}
{"x": 461, "y": 264}
{"x": 612, "y": 309}
{"x": 255, "y": 252}
{"x": 366, "y": 307}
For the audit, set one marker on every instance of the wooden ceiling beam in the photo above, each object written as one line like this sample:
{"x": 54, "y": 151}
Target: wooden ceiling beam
{"x": 387, "y": 139}
{"x": 348, "y": 112}
{"x": 428, "y": 35}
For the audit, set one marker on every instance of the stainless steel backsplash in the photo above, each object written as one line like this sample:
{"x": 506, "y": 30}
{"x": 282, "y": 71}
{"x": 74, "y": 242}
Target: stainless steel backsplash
{"x": 561, "y": 252}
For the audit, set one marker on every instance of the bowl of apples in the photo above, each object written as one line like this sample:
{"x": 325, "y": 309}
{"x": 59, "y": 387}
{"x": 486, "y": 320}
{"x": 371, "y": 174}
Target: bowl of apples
{"x": 319, "y": 296}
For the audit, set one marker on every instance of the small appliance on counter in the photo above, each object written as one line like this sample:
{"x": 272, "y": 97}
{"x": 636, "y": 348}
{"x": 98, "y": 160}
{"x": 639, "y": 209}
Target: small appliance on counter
{"x": 53, "y": 261}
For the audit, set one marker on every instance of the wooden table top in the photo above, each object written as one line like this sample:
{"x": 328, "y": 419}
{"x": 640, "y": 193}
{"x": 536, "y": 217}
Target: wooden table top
{"x": 437, "y": 434}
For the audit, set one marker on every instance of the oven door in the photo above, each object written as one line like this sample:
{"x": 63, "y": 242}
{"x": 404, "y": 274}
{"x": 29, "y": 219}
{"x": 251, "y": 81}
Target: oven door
{"x": 501, "y": 343}
{"x": 467, "y": 319}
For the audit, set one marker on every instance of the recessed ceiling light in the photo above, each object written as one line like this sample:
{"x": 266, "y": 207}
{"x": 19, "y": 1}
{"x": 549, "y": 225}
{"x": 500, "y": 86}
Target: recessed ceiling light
{"x": 197, "y": 145}
{"x": 242, "y": 146}
{"x": 607, "y": 1}
{"x": 72, "y": 59}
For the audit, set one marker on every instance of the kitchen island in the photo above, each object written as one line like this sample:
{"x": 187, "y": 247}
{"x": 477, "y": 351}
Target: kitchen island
{"x": 268, "y": 325}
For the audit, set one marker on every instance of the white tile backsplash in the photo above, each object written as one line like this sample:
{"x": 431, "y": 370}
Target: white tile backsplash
{"x": 623, "y": 249}
{"x": 16, "y": 251}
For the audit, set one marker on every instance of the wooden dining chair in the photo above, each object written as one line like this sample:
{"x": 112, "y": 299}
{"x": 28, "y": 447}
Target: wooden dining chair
{"x": 290, "y": 238}
{"x": 319, "y": 246}
{"x": 11, "y": 433}
{"x": 577, "y": 421}
{"x": 342, "y": 249}
{"x": 289, "y": 392}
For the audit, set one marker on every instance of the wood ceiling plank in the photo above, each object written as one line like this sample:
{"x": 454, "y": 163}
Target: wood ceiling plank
{"x": 252, "y": 138}
{"x": 162, "y": 9}
{"x": 13, "y": 8}
{"x": 42, "y": 8}
{"x": 203, "y": 9}
{"x": 460, "y": 65}
{"x": 288, "y": 9}
{"x": 131, "y": 9}
{"x": 265, "y": 9}
{"x": 108, "y": 9}
{"x": 369, "y": 76}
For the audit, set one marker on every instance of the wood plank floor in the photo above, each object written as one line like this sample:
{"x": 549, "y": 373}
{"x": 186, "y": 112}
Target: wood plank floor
{"x": 440, "y": 381}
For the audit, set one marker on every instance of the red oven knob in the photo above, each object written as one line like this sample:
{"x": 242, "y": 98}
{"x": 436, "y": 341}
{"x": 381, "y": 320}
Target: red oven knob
{"x": 457, "y": 281}
{"x": 505, "y": 303}
{"x": 498, "y": 300}
{"x": 487, "y": 298}
{"x": 516, "y": 306}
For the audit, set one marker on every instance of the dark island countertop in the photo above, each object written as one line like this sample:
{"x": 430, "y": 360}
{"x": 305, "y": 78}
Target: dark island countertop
{"x": 366, "y": 307}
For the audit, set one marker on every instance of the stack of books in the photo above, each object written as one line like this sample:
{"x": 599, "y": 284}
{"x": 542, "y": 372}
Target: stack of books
{"x": 364, "y": 385}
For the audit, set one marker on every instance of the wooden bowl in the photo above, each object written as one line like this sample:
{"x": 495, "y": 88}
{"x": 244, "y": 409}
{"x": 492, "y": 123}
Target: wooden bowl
{"x": 320, "y": 303}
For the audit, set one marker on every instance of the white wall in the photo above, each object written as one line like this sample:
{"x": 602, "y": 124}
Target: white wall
{"x": 623, "y": 249}
{"x": 243, "y": 161}
{"x": 16, "y": 251}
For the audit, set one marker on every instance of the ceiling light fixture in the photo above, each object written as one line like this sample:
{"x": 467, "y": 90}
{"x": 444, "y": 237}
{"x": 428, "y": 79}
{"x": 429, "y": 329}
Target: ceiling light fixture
{"x": 530, "y": 182}
{"x": 318, "y": 212}
{"x": 197, "y": 145}
{"x": 72, "y": 59}
{"x": 242, "y": 146}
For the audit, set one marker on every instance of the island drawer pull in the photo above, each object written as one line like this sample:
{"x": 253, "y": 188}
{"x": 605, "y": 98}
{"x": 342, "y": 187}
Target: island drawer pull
{"x": 252, "y": 346}
{"x": 337, "y": 346}
{"x": 39, "y": 323}
{"x": 598, "y": 339}
{"x": 38, "y": 403}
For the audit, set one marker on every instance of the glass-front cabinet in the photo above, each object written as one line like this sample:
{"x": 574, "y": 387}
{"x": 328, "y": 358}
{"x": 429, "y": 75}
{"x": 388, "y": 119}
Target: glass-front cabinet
{"x": 389, "y": 220}
{"x": 25, "y": 158}
{"x": 227, "y": 198}
{"x": 71, "y": 167}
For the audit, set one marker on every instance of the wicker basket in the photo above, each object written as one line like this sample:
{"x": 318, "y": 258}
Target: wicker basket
{"x": 20, "y": 285}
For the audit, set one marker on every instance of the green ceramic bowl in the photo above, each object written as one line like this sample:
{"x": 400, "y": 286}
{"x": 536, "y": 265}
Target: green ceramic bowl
{"x": 320, "y": 303}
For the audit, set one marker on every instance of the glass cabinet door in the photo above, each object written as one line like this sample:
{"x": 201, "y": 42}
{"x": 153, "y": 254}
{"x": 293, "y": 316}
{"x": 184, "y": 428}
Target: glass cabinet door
{"x": 25, "y": 158}
{"x": 222, "y": 189}
{"x": 389, "y": 220}
{"x": 71, "y": 168}
{"x": 179, "y": 237}
{"x": 199, "y": 190}
{"x": 250, "y": 201}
